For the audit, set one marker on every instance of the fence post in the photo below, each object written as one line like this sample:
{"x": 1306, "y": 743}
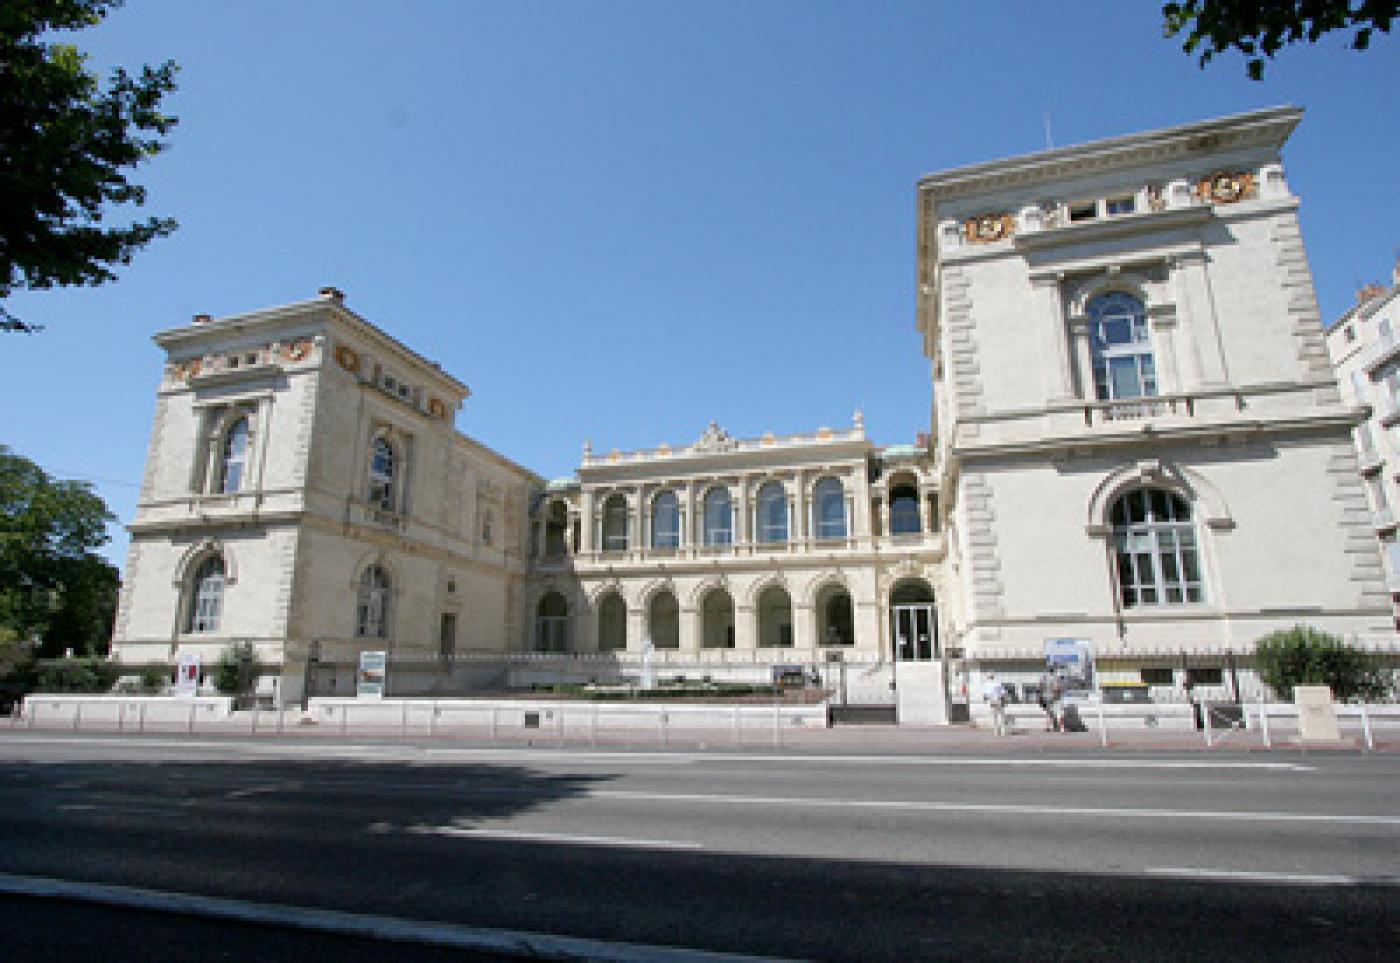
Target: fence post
{"x": 493, "y": 722}
{"x": 738, "y": 730}
{"x": 403, "y": 719}
{"x": 661, "y": 717}
{"x": 1103, "y": 725}
{"x": 1205, "y": 719}
{"x": 1366, "y": 728}
{"x": 777, "y": 726}
{"x": 432, "y": 721}
{"x": 31, "y": 711}
{"x": 281, "y": 711}
{"x": 344, "y": 718}
{"x": 141, "y": 720}
{"x": 77, "y": 716}
{"x": 559, "y": 727}
{"x": 1264, "y": 721}
{"x": 253, "y": 726}
{"x": 593, "y": 727}
{"x": 191, "y": 723}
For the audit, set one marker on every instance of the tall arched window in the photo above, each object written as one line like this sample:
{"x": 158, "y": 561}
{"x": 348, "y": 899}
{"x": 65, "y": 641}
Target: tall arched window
{"x": 372, "y": 607}
{"x": 665, "y": 621}
{"x": 615, "y": 524}
{"x": 719, "y": 517}
{"x": 1154, "y": 542}
{"x": 717, "y": 620}
{"x": 1121, "y": 347}
{"x": 835, "y": 616}
{"x": 772, "y": 513}
{"x": 234, "y": 457}
{"x": 775, "y": 617}
{"x": 612, "y": 623}
{"x": 665, "y": 521}
{"x": 830, "y": 508}
{"x": 382, "y": 467}
{"x": 206, "y": 596}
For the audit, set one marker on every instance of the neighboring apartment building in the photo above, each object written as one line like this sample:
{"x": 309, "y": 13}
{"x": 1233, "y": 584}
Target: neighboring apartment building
{"x": 1366, "y": 353}
{"x": 1138, "y": 444}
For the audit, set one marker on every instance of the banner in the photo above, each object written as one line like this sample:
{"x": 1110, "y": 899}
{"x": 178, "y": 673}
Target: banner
{"x": 369, "y": 682}
{"x": 187, "y": 674}
{"x": 1073, "y": 661}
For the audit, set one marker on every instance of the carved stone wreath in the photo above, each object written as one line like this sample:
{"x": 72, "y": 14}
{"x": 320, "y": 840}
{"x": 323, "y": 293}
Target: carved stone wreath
{"x": 347, "y": 358}
{"x": 985, "y": 228}
{"x": 1226, "y": 187}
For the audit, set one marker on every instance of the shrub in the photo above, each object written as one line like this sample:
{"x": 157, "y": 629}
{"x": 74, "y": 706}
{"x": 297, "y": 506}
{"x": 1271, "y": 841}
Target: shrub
{"x": 238, "y": 670}
{"x": 76, "y": 675}
{"x": 1305, "y": 656}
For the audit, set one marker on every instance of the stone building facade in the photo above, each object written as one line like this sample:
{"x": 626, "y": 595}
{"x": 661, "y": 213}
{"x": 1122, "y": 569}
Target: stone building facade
{"x": 1138, "y": 443}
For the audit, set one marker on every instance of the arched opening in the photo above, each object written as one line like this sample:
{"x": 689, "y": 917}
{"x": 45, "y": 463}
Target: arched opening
{"x": 717, "y": 620}
{"x": 904, "y": 505}
{"x": 914, "y": 621}
{"x": 772, "y": 513}
{"x": 556, "y": 530}
{"x": 836, "y": 623}
{"x": 552, "y": 623}
{"x": 664, "y": 621}
{"x": 665, "y": 521}
{"x": 1154, "y": 543}
{"x": 234, "y": 457}
{"x": 829, "y": 509}
{"x": 775, "y": 618}
{"x": 615, "y": 524}
{"x": 719, "y": 517}
{"x": 372, "y": 605}
{"x": 612, "y": 623}
{"x": 206, "y": 599}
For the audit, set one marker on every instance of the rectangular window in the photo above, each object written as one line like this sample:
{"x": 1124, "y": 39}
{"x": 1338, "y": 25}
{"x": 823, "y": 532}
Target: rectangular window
{"x": 1084, "y": 211}
{"x": 1120, "y": 205}
{"x": 1155, "y": 676}
{"x": 1203, "y": 677}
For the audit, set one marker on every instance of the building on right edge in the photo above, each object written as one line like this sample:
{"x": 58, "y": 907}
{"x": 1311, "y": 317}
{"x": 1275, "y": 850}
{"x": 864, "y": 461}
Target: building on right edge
{"x": 1366, "y": 354}
{"x": 1141, "y": 438}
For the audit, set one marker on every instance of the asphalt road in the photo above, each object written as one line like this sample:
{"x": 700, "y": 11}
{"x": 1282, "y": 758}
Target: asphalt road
{"x": 1084, "y": 856}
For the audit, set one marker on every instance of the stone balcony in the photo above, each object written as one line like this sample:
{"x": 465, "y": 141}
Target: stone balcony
{"x": 744, "y": 553}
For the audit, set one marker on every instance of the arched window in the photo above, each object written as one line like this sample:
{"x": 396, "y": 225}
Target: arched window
{"x": 775, "y": 617}
{"x": 1121, "y": 347}
{"x": 372, "y": 609}
{"x": 234, "y": 457}
{"x": 612, "y": 623}
{"x": 382, "y": 467}
{"x": 206, "y": 596}
{"x": 615, "y": 524}
{"x": 835, "y": 617}
{"x": 664, "y": 624}
{"x": 665, "y": 521}
{"x": 717, "y": 620}
{"x": 1155, "y": 545}
{"x": 772, "y": 513}
{"x": 552, "y": 623}
{"x": 904, "y": 510}
{"x": 719, "y": 517}
{"x": 830, "y": 508}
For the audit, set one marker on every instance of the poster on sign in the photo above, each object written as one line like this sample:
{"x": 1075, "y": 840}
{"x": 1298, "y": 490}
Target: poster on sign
{"x": 369, "y": 682}
{"x": 187, "y": 674}
{"x": 1073, "y": 661}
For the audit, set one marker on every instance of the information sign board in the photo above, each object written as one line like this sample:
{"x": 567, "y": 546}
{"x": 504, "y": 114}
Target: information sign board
{"x": 369, "y": 682}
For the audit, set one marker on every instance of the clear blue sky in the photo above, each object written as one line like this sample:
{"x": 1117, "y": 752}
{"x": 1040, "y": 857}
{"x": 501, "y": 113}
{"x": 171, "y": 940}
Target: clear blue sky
{"x": 619, "y": 220}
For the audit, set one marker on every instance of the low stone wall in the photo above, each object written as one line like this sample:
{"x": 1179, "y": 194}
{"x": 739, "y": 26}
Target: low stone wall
{"x": 1181, "y": 716}
{"x": 122, "y": 711}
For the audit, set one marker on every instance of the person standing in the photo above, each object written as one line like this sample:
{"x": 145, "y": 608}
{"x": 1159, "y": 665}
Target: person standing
{"x": 1047, "y": 701}
{"x": 994, "y": 694}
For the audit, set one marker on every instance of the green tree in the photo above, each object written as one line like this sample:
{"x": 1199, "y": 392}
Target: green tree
{"x": 1304, "y": 656}
{"x": 67, "y": 144}
{"x": 1260, "y": 28}
{"x": 53, "y": 588}
{"x": 238, "y": 670}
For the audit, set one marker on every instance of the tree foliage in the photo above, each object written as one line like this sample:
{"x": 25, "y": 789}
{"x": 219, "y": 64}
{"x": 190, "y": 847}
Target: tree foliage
{"x": 52, "y": 586}
{"x": 238, "y": 669}
{"x": 67, "y": 144}
{"x": 1260, "y": 28}
{"x": 1304, "y": 656}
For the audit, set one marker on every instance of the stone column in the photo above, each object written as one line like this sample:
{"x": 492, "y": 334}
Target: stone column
{"x": 743, "y": 524}
{"x": 1079, "y": 334}
{"x": 588, "y": 532}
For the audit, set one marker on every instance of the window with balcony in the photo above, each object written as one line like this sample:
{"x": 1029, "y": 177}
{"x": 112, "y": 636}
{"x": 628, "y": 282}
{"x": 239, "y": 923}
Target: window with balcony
{"x": 234, "y": 457}
{"x": 719, "y": 517}
{"x": 666, "y": 521}
{"x": 772, "y": 513}
{"x": 1121, "y": 346}
{"x": 830, "y": 508}
{"x": 615, "y": 524}
{"x": 1154, "y": 542}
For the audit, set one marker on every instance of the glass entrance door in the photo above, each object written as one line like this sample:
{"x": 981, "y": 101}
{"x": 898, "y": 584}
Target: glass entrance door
{"x": 915, "y": 632}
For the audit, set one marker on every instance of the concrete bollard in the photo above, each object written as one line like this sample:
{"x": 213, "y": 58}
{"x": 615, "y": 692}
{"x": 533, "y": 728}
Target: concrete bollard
{"x": 1366, "y": 729}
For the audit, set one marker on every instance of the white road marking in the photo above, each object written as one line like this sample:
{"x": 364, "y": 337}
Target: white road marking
{"x": 411, "y": 751}
{"x": 919, "y": 805}
{"x": 564, "y": 838}
{"x": 1297, "y": 879}
{"x": 515, "y": 944}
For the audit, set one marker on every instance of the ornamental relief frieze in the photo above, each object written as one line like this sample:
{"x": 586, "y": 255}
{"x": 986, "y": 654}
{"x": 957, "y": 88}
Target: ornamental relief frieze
{"x": 274, "y": 352}
{"x": 1226, "y": 187}
{"x": 986, "y": 228}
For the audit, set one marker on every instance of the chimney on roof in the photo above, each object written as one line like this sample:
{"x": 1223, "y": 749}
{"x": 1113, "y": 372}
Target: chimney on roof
{"x": 202, "y": 319}
{"x": 333, "y": 294}
{"x": 1368, "y": 292}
